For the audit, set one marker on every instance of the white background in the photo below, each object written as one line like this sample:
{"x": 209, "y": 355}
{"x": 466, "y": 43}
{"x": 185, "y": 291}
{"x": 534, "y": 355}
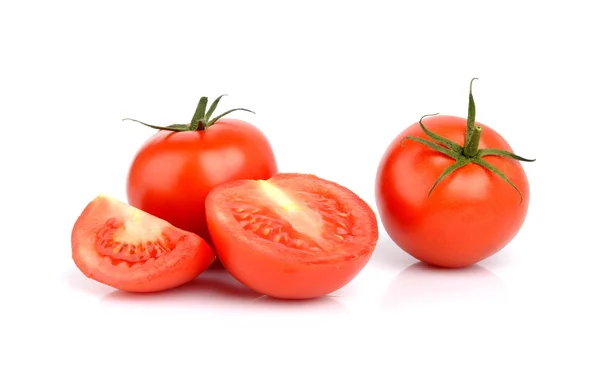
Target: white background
{"x": 332, "y": 83}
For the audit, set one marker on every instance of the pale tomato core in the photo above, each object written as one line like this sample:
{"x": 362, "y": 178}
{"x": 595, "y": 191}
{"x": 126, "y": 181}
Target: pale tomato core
{"x": 132, "y": 236}
{"x": 308, "y": 219}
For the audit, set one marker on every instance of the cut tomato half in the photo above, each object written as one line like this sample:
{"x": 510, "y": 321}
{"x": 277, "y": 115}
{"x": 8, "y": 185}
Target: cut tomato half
{"x": 129, "y": 249}
{"x": 293, "y": 236}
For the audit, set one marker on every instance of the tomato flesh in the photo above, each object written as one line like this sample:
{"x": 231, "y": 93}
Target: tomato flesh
{"x": 292, "y": 236}
{"x": 318, "y": 223}
{"x": 128, "y": 249}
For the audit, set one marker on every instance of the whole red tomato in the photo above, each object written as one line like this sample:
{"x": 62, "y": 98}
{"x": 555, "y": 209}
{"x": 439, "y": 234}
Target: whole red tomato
{"x": 448, "y": 204}
{"x": 172, "y": 173}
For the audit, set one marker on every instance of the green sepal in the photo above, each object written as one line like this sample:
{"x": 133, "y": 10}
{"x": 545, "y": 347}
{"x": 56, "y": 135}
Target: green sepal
{"x": 470, "y": 153}
{"x": 498, "y": 172}
{"x": 201, "y": 119}
{"x": 213, "y": 106}
{"x": 448, "y": 143}
{"x": 226, "y": 113}
{"x": 174, "y": 127}
{"x": 502, "y": 153}
{"x": 457, "y": 165}
{"x": 432, "y": 145}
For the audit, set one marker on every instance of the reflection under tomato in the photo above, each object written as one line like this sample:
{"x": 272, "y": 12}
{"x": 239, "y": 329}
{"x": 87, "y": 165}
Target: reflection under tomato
{"x": 218, "y": 290}
{"x": 421, "y": 284}
{"x": 212, "y": 289}
{"x": 325, "y": 304}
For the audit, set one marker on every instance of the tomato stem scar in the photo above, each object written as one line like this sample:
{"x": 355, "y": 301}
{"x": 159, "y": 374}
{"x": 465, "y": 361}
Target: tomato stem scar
{"x": 468, "y": 154}
{"x": 201, "y": 119}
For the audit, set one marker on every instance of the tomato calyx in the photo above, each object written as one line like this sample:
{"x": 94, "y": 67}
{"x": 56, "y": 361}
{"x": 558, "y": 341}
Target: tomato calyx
{"x": 470, "y": 153}
{"x": 201, "y": 120}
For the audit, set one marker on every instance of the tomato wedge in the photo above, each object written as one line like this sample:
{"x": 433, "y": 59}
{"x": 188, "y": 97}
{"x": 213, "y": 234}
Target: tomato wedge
{"x": 293, "y": 236}
{"x": 128, "y": 249}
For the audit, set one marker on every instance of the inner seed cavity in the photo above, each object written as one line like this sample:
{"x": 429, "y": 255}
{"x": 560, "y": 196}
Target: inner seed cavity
{"x": 108, "y": 244}
{"x": 262, "y": 221}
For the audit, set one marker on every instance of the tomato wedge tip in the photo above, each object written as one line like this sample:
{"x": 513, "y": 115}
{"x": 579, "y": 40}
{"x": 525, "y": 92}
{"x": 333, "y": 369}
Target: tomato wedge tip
{"x": 131, "y": 250}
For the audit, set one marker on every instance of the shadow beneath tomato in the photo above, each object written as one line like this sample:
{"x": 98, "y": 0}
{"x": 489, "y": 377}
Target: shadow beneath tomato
{"x": 75, "y": 280}
{"x": 388, "y": 255}
{"x": 500, "y": 260}
{"x": 211, "y": 288}
{"x": 325, "y": 304}
{"x": 421, "y": 284}
{"x": 216, "y": 265}
{"x": 217, "y": 289}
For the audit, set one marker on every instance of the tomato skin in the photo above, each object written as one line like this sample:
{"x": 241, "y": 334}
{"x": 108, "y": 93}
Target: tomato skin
{"x": 189, "y": 257}
{"x": 470, "y": 215}
{"x": 172, "y": 173}
{"x": 280, "y": 279}
{"x": 276, "y": 271}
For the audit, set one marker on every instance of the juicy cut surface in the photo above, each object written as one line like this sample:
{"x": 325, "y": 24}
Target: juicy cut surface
{"x": 130, "y": 235}
{"x": 299, "y": 217}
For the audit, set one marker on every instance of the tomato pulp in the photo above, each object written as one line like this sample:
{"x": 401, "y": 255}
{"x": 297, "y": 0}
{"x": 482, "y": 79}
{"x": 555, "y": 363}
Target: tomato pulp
{"x": 131, "y": 250}
{"x": 450, "y": 192}
{"x": 293, "y": 236}
{"x": 172, "y": 172}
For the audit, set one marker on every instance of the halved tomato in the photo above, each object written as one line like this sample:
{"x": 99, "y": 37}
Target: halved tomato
{"x": 294, "y": 236}
{"x": 131, "y": 250}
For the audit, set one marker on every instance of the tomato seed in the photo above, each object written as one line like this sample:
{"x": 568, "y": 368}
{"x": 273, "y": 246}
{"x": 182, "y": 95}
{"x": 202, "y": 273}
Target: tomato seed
{"x": 341, "y": 231}
{"x": 118, "y": 248}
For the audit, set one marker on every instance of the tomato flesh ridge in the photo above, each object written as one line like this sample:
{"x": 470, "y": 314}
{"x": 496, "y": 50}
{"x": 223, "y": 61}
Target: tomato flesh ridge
{"x": 109, "y": 242}
{"x": 299, "y": 218}
{"x": 132, "y": 237}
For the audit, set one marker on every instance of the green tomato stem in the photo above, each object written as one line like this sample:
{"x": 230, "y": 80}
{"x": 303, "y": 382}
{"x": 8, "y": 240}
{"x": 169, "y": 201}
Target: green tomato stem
{"x": 470, "y": 153}
{"x": 197, "y": 122}
{"x": 473, "y": 145}
{"x": 470, "y": 115}
{"x": 200, "y": 121}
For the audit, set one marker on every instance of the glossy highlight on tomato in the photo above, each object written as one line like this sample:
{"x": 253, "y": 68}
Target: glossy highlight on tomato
{"x": 173, "y": 171}
{"x": 131, "y": 250}
{"x": 293, "y": 236}
{"x": 450, "y": 192}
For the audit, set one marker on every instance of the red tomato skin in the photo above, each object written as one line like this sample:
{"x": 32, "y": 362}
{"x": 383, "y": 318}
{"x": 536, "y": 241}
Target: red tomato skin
{"x": 470, "y": 215}
{"x": 191, "y": 256}
{"x": 172, "y": 173}
{"x": 265, "y": 274}
{"x": 277, "y": 272}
